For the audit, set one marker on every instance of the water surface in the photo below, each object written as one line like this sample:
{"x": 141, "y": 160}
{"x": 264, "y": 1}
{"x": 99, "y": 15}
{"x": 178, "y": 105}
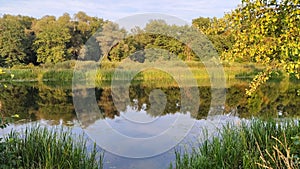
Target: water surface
{"x": 144, "y": 115}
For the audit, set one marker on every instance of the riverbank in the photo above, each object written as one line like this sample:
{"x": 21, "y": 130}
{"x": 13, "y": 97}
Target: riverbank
{"x": 252, "y": 144}
{"x": 99, "y": 74}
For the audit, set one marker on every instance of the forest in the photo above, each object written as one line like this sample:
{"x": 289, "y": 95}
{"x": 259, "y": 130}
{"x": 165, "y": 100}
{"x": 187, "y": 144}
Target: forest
{"x": 263, "y": 32}
{"x": 25, "y": 40}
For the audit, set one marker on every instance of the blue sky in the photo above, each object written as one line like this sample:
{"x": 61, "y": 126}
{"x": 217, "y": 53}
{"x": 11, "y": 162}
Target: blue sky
{"x": 116, "y": 9}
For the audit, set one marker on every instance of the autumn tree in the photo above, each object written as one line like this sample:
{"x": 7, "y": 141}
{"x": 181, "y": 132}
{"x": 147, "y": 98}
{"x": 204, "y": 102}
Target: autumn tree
{"x": 267, "y": 32}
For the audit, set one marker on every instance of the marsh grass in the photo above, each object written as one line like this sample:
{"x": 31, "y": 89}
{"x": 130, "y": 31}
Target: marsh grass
{"x": 58, "y": 75}
{"x": 91, "y": 72}
{"x": 254, "y": 144}
{"x": 43, "y": 148}
{"x": 19, "y": 74}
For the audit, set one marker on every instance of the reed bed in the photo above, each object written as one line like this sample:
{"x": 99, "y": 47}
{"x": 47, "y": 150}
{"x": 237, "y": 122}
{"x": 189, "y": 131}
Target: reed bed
{"x": 255, "y": 144}
{"x": 43, "y": 148}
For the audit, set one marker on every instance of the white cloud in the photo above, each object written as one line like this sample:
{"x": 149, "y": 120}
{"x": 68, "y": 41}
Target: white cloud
{"x": 116, "y": 9}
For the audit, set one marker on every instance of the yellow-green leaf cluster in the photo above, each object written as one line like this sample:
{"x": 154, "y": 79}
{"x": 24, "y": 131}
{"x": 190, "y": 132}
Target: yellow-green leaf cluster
{"x": 267, "y": 32}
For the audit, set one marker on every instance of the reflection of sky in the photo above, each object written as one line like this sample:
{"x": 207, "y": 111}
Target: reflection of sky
{"x": 117, "y": 9}
{"x": 153, "y": 138}
{"x": 140, "y": 124}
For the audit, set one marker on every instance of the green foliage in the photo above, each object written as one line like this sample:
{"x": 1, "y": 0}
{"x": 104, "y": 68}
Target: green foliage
{"x": 52, "y": 37}
{"x": 25, "y": 40}
{"x": 217, "y": 30}
{"x": 266, "y": 32}
{"x": 15, "y": 40}
{"x": 295, "y": 148}
{"x": 159, "y": 41}
{"x": 39, "y": 147}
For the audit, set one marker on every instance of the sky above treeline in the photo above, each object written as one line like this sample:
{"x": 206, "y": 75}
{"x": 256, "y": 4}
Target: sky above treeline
{"x": 117, "y": 9}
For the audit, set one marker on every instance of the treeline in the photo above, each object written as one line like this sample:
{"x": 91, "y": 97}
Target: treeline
{"x": 26, "y": 40}
{"x": 265, "y": 32}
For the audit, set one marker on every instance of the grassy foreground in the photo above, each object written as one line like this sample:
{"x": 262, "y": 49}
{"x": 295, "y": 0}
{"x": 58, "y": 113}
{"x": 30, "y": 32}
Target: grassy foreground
{"x": 255, "y": 144}
{"x": 42, "y": 148}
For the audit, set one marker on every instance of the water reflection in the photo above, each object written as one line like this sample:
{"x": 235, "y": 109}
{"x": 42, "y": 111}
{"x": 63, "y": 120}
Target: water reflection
{"x": 34, "y": 102}
{"x": 54, "y": 105}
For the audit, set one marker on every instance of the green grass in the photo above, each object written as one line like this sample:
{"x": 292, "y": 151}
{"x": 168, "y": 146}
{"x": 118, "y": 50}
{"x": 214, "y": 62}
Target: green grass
{"x": 90, "y": 73}
{"x": 19, "y": 74}
{"x": 42, "y": 148}
{"x": 58, "y": 75}
{"x": 258, "y": 144}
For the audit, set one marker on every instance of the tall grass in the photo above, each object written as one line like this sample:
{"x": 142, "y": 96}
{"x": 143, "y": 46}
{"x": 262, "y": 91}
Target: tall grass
{"x": 104, "y": 71}
{"x": 255, "y": 144}
{"x": 42, "y": 148}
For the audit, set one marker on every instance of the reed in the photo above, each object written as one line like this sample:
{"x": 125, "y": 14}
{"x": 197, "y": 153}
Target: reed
{"x": 43, "y": 148}
{"x": 254, "y": 144}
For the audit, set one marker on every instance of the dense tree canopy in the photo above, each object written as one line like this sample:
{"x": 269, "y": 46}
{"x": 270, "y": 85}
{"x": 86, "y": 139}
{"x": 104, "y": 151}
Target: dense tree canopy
{"x": 15, "y": 40}
{"x": 267, "y": 32}
{"x": 25, "y": 40}
{"x": 217, "y": 30}
{"x": 51, "y": 38}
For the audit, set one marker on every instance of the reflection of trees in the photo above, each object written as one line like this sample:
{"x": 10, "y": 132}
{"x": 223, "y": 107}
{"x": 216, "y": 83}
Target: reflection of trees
{"x": 205, "y": 101}
{"x": 35, "y": 103}
{"x": 55, "y": 104}
{"x": 290, "y": 102}
{"x": 19, "y": 100}
{"x": 280, "y": 97}
{"x": 268, "y": 100}
{"x": 84, "y": 101}
{"x": 106, "y": 104}
{"x": 237, "y": 99}
{"x": 143, "y": 96}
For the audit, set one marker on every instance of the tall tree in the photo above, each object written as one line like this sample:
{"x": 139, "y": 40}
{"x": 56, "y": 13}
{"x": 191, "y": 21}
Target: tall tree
{"x": 51, "y": 41}
{"x": 83, "y": 28}
{"x": 267, "y": 32}
{"x": 12, "y": 40}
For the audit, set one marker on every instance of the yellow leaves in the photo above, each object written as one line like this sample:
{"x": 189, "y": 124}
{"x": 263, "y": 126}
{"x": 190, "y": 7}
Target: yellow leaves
{"x": 259, "y": 79}
{"x": 15, "y": 116}
{"x": 1, "y": 71}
